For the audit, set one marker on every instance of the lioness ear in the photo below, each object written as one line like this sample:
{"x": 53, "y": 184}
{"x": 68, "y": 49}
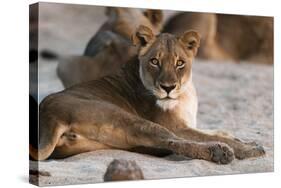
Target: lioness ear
{"x": 142, "y": 35}
{"x": 191, "y": 39}
{"x": 154, "y": 16}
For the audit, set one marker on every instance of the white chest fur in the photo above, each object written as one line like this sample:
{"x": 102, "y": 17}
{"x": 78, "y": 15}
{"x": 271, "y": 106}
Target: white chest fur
{"x": 187, "y": 107}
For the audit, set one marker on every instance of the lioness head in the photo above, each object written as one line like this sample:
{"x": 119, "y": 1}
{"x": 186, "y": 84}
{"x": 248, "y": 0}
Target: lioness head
{"x": 165, "y": 63}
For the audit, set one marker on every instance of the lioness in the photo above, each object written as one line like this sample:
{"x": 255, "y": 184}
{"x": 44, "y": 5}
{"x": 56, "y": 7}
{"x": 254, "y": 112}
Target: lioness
{"x": 111, "y": 42}
{"x": 152, "y": 103}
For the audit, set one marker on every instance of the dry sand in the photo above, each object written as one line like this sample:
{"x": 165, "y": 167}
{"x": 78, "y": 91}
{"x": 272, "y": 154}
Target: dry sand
{"x": 237, "y": 98}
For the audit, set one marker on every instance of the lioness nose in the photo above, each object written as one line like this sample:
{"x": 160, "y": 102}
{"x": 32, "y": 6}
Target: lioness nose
{"x": 168, "y": 89}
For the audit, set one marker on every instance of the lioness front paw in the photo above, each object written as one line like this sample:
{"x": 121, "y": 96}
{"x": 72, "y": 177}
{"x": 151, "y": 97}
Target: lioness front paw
{"x": 221, "y": 153}
{"x": 251, "y": 149}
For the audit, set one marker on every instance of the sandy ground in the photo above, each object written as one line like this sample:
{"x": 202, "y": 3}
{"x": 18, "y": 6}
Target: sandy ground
{"x": 237, "y": 98}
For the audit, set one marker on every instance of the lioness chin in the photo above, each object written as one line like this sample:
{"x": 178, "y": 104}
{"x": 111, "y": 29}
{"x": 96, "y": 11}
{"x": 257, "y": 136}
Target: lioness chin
{"x": 150, "y": 103}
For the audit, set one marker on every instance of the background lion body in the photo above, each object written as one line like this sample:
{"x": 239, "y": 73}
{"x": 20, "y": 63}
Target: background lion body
{"x": 228, "y": 37}
{"x": 110, "y": 47}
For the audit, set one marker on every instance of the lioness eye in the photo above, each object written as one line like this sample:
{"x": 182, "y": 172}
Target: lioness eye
{"x": 154, "y": 62}
{"x": 180, "y": 63}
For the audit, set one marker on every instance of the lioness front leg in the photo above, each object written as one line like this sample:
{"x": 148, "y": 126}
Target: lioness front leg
{"x": 241, "y": 149}
{"x": 141, "y": 132}
{"x": 145, "y": 133}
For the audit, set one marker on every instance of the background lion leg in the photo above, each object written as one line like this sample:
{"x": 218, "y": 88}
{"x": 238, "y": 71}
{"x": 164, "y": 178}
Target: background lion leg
{"x": 241, "y": 149}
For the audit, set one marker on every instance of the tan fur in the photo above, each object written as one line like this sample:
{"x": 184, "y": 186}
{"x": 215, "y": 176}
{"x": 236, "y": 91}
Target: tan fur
{"x": 228, "y": 37}
{"x": 121, "y": 111}
{"x": 109, "y": 44}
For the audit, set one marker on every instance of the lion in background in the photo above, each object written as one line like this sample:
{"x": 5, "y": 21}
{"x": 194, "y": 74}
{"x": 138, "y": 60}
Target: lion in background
{"x": 110, "y": 48}
{"x": 228, "y": 37}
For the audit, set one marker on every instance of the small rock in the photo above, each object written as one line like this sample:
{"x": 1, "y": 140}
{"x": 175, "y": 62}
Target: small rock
{"x": 120, "y": 170}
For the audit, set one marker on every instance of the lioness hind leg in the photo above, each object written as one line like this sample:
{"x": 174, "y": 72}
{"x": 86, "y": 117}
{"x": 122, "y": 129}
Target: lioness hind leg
{"x": 72, "y": 143}
{"x": 49, "y": 136}
{"x": 241, "y": 149}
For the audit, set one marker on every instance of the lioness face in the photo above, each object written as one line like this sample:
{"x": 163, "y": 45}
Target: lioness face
{"x": 165, "y": 63}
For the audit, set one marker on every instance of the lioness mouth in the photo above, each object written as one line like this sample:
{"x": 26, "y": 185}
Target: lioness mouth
{"x": 167, "y": 98}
